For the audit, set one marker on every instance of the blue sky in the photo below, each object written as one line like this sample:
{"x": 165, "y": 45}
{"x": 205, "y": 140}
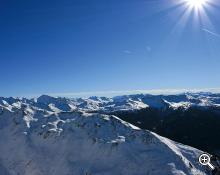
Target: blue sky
{"x": 53, "y": 46}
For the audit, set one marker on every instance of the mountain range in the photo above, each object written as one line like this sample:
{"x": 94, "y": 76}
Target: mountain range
{"x": 91, "y": 136}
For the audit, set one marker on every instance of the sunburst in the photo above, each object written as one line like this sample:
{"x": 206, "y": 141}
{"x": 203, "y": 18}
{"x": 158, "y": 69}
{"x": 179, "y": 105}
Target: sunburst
{"x": 197, "y": 4}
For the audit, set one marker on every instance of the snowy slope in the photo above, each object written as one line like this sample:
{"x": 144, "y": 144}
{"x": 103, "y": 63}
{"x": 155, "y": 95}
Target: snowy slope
{"x": 38, "y": 138}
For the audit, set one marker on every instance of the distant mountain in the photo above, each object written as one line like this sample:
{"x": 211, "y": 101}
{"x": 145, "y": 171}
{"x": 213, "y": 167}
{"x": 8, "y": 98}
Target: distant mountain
{"x": 119, "y": 103}
{"x": 61, "y": 136}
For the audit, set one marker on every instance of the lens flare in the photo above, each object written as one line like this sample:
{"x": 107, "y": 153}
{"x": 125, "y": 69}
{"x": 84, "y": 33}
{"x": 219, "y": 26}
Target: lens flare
{"x": 198, "y": 4}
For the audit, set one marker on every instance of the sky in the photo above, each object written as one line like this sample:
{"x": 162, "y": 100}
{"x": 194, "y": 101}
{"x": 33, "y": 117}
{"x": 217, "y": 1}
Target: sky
{"x": 75, "y": 46}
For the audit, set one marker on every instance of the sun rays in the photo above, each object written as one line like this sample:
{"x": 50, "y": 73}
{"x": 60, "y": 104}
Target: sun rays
{"x": 197, "y": 4}
{"x": 195, "y": 11}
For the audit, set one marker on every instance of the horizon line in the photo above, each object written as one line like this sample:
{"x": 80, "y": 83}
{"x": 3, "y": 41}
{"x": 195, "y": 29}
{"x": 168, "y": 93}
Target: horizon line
{"x": 112, "y": 93}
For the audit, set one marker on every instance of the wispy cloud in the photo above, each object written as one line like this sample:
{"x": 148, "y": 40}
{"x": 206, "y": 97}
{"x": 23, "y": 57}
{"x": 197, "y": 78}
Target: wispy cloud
{"x": 127, "y": 51}
{"x": 211, "y": 33}
{"x": 148, "y": 48}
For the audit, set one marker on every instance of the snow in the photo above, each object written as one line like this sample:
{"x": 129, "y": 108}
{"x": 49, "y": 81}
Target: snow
{"x": 47, "y": 138}
{"x": 174, "y": 105}
{"x": 54, "y": 108}
{"x": 119, "y": 103}
{"x": 61, "y": 136}
{"x": 28, "y": 116}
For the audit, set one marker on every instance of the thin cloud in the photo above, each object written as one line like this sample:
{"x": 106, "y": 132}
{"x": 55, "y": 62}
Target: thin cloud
{"x": 212, "y": 33}
{"x": 148, "y": 48}
{"x": 127, "y": 51}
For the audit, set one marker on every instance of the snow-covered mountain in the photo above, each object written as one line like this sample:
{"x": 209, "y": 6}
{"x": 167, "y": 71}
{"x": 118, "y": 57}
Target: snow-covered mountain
{"x": 57, "y": 136}
{"x": 119, "y": 103}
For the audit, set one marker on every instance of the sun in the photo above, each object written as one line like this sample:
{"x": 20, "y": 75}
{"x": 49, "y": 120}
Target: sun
{"x": 198, "y": 4}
